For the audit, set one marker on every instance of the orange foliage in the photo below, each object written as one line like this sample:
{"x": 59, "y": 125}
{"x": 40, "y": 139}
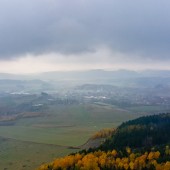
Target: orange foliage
{"x": 107, "y": 160}
{"x": 104, "y": 133}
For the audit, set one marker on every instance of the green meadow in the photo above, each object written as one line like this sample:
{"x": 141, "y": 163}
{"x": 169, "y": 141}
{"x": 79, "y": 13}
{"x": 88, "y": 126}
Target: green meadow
{"x": 20, "y": 155}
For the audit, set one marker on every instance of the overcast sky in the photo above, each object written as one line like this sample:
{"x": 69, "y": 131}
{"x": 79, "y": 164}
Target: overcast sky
{"x": 48, "y": 35}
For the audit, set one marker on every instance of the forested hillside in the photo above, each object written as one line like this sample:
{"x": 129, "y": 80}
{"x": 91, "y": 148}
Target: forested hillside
{"x": 140, "y": 144}
{"x": 142, "y": 132}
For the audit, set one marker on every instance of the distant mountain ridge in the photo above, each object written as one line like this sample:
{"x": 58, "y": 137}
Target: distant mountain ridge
{"x": 89, "y": 74}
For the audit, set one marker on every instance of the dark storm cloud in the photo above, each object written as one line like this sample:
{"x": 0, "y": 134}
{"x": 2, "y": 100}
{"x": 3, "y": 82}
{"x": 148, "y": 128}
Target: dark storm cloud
{"x": 132, "y": 27}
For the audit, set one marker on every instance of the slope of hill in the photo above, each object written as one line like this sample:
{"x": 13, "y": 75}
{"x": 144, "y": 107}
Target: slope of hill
{"x": 148, "y": 138}
{"x": 142, "y": 132}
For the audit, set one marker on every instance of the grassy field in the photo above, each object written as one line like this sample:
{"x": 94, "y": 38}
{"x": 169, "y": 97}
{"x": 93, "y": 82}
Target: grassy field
{"x": 31, "y": 141}
{"x": 21, "y": 155}
{"x": 149, "y": 109}
{"x": 67, "y": 126}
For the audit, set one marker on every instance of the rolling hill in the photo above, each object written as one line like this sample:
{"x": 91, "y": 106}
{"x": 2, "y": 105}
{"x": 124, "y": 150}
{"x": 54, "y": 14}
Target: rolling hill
{"x": 142, "y": 144}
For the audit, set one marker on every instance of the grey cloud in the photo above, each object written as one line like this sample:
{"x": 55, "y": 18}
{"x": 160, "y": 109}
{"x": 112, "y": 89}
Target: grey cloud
{"x": 78, "y": 26}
